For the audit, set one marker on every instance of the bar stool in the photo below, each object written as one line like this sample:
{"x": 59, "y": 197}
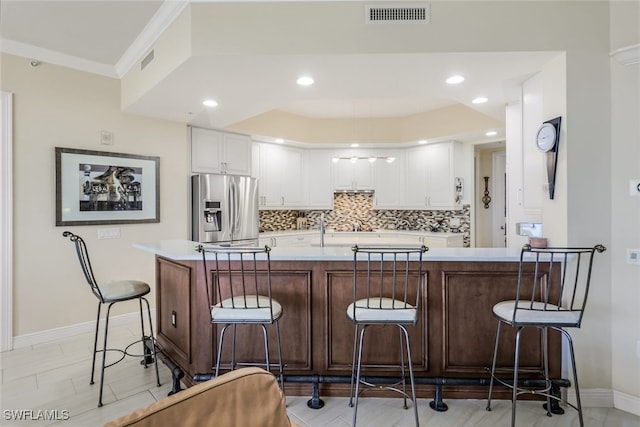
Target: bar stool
{"x": 242, "y": 287}
{"x": 560, "y": 285}
{"x": 385, "y": 292}
{"x": 111, "y": 293}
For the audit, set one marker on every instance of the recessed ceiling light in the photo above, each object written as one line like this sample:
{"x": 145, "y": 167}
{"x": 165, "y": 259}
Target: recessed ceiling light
{"x": 355, "y": 144}
{"x": 210, "y": 103}
{"x": 304, "y": 81}
{"x": 480, "y": 100}
{"x": 454, "y": 80}
{"x": 279, "y": 140}
{"x": 491, "y": 133}
{"x": 422, "y": 141}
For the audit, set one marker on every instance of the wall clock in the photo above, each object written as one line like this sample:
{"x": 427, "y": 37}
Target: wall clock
{"x": 547, "y": 140}
{"x": 546, "y": 137}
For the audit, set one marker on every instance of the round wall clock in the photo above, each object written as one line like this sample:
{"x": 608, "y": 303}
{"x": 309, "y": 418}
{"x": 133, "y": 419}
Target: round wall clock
{"x": 548, "y": 140}
{"x": 546, "y": 137}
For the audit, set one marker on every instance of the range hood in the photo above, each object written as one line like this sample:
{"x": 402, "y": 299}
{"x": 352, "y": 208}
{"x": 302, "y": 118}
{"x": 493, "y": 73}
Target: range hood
{"x": 354, "y": 191}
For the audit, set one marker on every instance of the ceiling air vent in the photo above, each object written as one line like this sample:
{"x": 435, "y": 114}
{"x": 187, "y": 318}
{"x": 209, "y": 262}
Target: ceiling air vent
{"x": 398, "y": 13}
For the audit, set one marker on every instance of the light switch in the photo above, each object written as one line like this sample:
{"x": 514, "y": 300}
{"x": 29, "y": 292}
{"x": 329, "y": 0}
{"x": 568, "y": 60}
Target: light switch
{"x": 106, "y": 137}
{"x": 108, "y": 233}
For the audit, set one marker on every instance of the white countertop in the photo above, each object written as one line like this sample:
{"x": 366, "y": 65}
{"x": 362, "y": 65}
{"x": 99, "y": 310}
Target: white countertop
{"x": 395, "y": 238}
{"x": 335, "y": 233}
{"x": 185, "y": 250}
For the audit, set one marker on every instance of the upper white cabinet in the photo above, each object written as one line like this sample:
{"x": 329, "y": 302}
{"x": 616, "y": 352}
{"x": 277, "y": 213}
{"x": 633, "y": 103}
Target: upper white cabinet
{"x": 416, "y": 178}
{"x": 220, "y": 152}
{"x": 430, "y": 176}
{"x": 422, "y": 178}
{"x": 319, "y": 184}
{"x": 281, "y": 178}
{"x": 352, "y": 175}
{"x": 388, "y": 179}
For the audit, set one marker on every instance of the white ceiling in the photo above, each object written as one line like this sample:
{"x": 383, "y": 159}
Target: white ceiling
{"x": 107, "y": 37}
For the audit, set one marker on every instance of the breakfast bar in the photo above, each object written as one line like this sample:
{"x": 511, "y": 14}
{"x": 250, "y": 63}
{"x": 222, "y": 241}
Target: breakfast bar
{"x": 452, "y": 344}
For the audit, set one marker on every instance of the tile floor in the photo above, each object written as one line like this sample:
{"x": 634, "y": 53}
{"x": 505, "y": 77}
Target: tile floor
{"x": 55, "y": 377}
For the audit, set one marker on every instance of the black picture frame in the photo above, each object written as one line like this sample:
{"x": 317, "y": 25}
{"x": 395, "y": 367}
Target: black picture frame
{"x": 99, "y": 187}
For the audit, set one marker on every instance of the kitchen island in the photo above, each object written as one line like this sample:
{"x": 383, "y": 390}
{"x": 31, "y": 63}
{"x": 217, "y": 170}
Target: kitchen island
{"x": 452, "y": 344}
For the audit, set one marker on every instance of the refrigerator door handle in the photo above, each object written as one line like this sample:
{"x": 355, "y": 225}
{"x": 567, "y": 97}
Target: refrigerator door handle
{"x": 233, "y": 211}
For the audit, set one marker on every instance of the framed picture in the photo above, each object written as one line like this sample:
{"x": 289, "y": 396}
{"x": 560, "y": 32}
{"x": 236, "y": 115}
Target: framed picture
{"x": 96, "y": 187}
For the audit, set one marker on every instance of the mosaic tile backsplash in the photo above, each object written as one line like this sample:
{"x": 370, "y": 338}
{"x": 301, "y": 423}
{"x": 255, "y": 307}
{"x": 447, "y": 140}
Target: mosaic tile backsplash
{"x": 351, "y": 210}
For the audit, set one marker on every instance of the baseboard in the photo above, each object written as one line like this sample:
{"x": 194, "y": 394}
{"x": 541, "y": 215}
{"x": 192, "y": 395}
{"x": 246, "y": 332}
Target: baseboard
{"x": 626, "y": 402}
{"x": 26, "y": 340}
{"x": 607, "y": 398}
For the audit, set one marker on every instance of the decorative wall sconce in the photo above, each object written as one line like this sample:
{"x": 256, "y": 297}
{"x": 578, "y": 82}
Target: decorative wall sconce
{"x": 486, "y": 199}
{"x": 371, "y": 159}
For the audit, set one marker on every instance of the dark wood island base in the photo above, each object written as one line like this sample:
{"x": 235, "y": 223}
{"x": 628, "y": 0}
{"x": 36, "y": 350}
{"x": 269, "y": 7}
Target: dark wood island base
{"x": 452, "y": 344}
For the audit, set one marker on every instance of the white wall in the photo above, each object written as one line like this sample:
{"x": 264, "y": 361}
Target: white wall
{"x": 59, "y": 107}
{"x": 624, "y": 209}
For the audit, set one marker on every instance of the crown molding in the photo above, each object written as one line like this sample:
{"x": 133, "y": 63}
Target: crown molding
{"x": 165, "y": 15}
{"x": 52, "y": 57}
{"x": 628, "y": 55}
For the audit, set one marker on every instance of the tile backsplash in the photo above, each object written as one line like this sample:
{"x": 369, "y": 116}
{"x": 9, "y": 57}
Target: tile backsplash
{"x": 356, "y": 209}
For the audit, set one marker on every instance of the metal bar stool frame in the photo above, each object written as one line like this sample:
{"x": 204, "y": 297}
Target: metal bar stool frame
{"x": 111, "y": 293}
{"x": 260, "y": 309}
{"x": 382, "y": 267}
{"x": 539, "y": 310}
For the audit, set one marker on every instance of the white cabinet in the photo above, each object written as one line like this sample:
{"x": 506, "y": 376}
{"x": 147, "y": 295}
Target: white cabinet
{"x": 220, "y": 152}
{"x": 429, "y": 176}
{"x": 434, "y": 240}
{"x": 281, "y": 177}
{"x": 421, "y": 178}
{"x": 288, "y": 239}
{"x": 319, "y": 184}
{"x": 352, "y": 175}
{"x": 297, "y": 240}
{"x": 388, "y": 180}
{"x": 443, "y": 240}
{"x": 416, "y": 178}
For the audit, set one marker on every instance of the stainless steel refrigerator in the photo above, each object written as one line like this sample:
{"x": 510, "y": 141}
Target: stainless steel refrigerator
{"x": 224, "y": 209}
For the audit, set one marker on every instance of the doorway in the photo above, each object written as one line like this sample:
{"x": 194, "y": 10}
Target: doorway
{"x": 490, "y": 178}
{"x": 499, "y": 223}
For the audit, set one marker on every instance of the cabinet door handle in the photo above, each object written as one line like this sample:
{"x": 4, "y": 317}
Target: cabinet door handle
{"x": 282, "y": 200}
{"x": 174, "y": 319}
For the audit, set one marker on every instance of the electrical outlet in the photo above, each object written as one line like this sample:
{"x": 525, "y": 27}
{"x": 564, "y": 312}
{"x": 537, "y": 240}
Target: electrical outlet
{"x": 633, "y": 256}
{"x": 108, "y": 233}
{"x": 634, "y": 187}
